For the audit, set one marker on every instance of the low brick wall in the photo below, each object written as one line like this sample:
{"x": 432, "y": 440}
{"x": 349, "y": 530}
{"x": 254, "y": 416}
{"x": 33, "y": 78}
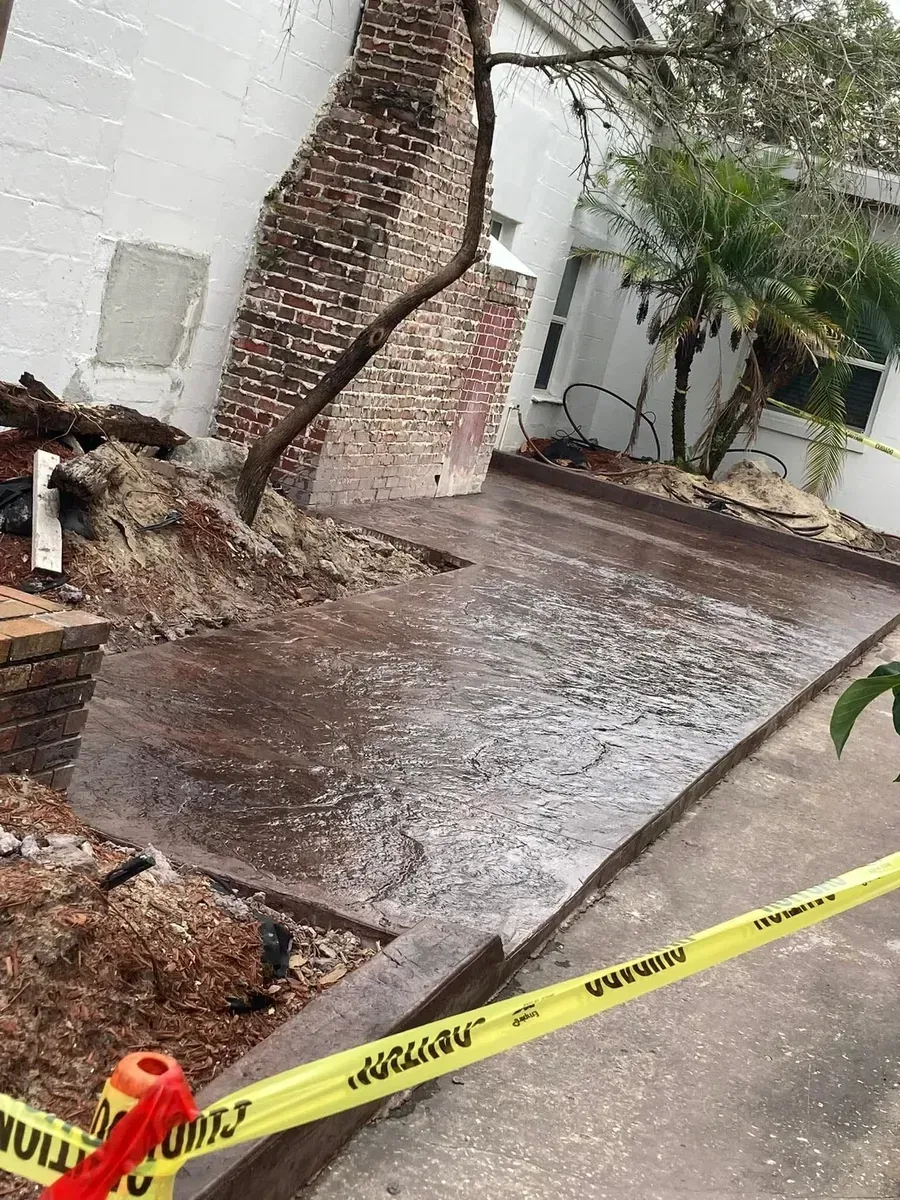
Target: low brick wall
{"x": 48, "y": 657}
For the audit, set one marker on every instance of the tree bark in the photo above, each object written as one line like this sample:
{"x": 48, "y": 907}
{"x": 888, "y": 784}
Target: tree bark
{"x": 5, "y": 16}
{"x": 265, "y": 453}
{"x": 684, "y": 360}
{"x": 89, "y": 476}
{"x": 34, "y": 409}
{"x": 759, "y": 379}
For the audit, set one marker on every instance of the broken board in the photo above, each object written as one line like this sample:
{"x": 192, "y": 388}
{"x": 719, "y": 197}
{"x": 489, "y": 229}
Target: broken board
{"x": 46, "y": 531}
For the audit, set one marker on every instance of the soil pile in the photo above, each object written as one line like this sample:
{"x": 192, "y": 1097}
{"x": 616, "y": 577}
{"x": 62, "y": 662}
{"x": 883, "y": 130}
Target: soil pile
{"x": 169, "y": 554}
{"x": 762, "y": 497}
{"x": 748, "y": 491}
{"x": 88, "y": 975}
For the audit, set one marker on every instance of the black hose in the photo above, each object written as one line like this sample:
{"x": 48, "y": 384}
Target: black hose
{"x": 531, "y": 444}
{"x": 646, "y": 417}
{"x": 765, "y": 454}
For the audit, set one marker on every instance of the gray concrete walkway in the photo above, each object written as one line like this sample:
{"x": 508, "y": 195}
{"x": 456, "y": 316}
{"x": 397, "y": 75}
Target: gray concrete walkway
{"x": 475, "y": 745}
{"x": 775, "y": 1076}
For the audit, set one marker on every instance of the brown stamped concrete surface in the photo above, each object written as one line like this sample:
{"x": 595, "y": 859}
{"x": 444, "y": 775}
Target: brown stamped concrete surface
{"x": 775, "y": 1076}
{"x": 472, "y": 746}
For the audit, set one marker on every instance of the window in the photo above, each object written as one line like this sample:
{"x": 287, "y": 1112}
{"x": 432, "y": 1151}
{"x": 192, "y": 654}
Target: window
{"x": 557, "y": 324}
{"x": 503, "y": 229}
{"x": 861, "y": 390}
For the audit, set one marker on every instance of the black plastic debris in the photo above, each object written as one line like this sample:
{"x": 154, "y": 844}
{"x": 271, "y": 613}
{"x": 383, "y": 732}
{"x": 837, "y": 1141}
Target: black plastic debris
{"x": 42, "y": 581}
{"x": 277, "y": 941}
{"x": 172, "y": 517}
{"x": 253, "y": 1002}
{"x": 127, "y": 870}
{"x": 15, "y": 506}
{"x": 567, "y": 453}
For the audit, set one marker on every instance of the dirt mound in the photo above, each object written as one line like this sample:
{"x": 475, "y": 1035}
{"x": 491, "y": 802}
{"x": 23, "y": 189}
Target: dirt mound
{"x": 88, "y": 975}
{"x": 762, "y": 497}
{"x": 749, "y": 491}
{"x": 169, "y": 554}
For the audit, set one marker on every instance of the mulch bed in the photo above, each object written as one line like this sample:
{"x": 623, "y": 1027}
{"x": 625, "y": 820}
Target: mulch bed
{"x": 87, "y": 976}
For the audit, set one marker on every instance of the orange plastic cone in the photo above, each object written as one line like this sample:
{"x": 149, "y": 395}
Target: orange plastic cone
{"x": 142, "y": 1103}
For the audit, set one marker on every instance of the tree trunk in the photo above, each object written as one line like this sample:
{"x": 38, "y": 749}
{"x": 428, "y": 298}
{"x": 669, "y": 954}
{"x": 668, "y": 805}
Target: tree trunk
{"x": 766, "y": 370}
{"x": 684, "y": 360}
{"x": 265, "y": 453}
{"x": 35, "y": 410}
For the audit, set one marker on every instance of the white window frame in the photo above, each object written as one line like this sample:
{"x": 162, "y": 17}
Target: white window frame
{"x": 502, "y": 229}
{"x": 546, "y": 393}
{"x": 783, "y": 422}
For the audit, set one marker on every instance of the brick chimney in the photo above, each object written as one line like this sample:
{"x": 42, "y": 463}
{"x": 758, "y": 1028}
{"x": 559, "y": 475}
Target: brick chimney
{"x": 374, "y": 201}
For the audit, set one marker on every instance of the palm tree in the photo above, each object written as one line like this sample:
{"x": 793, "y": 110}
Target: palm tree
{"x": 859, "y": 293}
{"x": 704, "y": 238}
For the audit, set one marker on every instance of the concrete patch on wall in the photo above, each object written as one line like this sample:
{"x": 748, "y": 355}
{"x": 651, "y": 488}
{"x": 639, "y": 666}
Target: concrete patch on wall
{"x": 151, "y": 306}
{"x": 150, "y": 311}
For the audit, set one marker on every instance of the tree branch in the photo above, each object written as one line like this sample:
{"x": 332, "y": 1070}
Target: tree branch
{"x": 602, "y": 54}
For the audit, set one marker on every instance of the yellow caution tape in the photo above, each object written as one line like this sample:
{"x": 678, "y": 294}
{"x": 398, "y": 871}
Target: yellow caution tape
{"x": 38, "y": 1146}
{"x": 811, "y": 419}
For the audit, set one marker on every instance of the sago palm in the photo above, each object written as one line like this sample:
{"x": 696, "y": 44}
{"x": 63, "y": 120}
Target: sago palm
{"x": 702, "y": 240}
{"x": 858, "y": 291}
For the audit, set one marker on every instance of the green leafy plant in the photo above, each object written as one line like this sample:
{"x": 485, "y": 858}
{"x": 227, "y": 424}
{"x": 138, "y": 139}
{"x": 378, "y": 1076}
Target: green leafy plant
{"x": 705, "y": 241}
{"x": 856, "y": 279}
{"x": 858, "y": 696}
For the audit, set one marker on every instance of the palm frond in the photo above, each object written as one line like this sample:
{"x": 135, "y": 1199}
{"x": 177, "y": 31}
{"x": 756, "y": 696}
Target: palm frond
{"x": 827, "y": 412}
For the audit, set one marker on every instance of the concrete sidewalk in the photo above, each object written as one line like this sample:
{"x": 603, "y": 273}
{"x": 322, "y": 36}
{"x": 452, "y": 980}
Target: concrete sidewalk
{"x": 773, "y": 1076}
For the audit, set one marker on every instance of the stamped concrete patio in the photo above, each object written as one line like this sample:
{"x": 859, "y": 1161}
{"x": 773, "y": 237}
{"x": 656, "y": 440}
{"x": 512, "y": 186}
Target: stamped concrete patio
{"x": 476, "y": 745}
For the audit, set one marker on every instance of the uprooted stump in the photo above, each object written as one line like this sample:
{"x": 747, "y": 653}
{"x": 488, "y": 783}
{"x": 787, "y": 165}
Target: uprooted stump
{"x": 90, "y": 476}
{"x": 34, "y": 409}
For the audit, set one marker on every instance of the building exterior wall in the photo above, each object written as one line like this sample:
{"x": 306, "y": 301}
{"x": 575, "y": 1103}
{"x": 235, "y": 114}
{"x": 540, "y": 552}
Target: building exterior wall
{"x": 538, "y": 152}
{"x": 140, "y": 139}
{"x": 149, "y": 122}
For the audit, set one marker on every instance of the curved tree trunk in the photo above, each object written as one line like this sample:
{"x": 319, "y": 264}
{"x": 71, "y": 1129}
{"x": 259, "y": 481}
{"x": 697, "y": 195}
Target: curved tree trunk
{"x": 684, "y": 360}
{"x": 765, "y": 370}
{"x": 265, "y": 453}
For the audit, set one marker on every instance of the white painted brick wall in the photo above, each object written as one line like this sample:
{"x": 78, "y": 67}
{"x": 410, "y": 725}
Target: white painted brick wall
{"x": 167, "y": 121}
{"x": 162, "y": 121}
{"x": 540, "y": 191}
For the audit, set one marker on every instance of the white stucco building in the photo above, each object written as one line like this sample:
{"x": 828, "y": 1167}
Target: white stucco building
{"x": 139, "y": 138}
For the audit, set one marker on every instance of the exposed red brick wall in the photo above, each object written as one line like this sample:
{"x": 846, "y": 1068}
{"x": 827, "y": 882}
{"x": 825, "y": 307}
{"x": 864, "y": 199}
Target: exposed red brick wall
{"x": 48, "y": 657}
{"x": 375, "y": 201}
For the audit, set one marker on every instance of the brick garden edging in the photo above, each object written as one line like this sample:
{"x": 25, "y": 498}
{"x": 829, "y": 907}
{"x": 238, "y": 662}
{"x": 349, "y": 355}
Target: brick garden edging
{"x": 48, "y": 657}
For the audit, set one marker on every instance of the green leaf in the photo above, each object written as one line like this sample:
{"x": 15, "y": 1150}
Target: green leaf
{"x": 858, "y": 696}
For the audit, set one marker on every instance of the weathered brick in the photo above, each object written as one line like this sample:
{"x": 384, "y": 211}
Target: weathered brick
{"x": 37, "y": 603}
{"x": 44, "y": 729}
{"x": 22, "y": 705}
{"x": 55, "y": 670}
{"x": 16, "y": 760}
{"x": 57, "y": 754}
{"x": 91, "y": 661}
{"x": 80, "y": 630}
{"x": 31, "y": 637}
{"x": 62, "y": 777}
{"x": 15, "y": 608}
{"x": 68, "y": 695}
{"x": 13, "y": 679}
{"x": 75, "y": 721}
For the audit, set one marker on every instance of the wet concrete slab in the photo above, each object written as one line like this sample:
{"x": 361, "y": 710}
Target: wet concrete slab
{"x": 473, "y": 745}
